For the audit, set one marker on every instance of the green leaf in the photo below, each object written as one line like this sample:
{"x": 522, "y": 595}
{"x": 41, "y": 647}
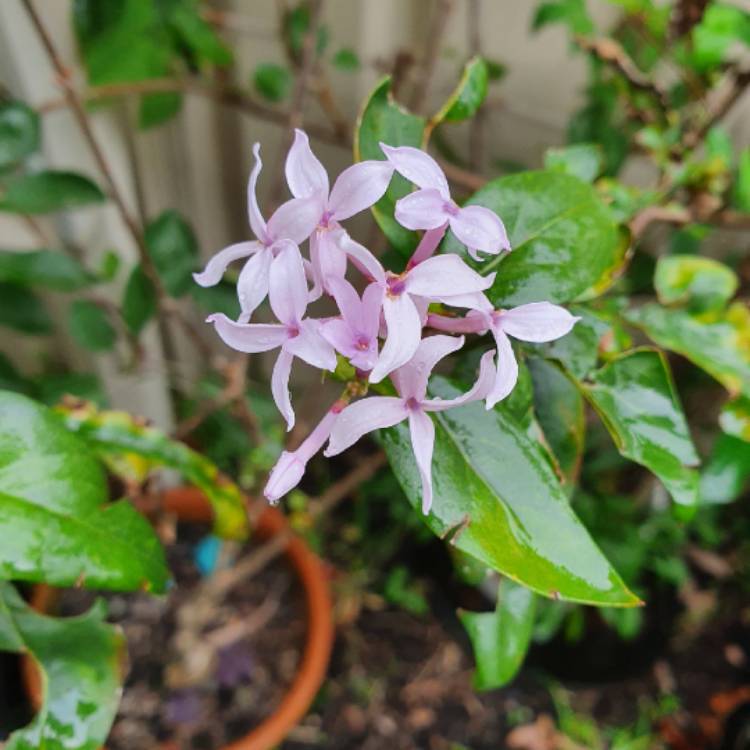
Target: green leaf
{"x": 496, "y": 70}
{"x": 382, "y": 119}
{"x": 198, "y": 35}
{"x": 11, "y": 379}
{"x": 90, "y": 327}
{"x": 721, "y": 26}
{"x": 156, "y": 109}
{"x": 497, "y": 498}
{"x": 565, "y": 244}
{"x": 582, "y": 160}
{"x": 726, "y": 472}
{"x": 742, "y": 183}
{"x": 81, "y": 660}
{"x": 174, "y": 250}
{"x": 500, "y": 639}
{"x": 572, "y": 13}
{"x": 717, "y": 342}
{"x": 273, "y": 82}
{"x": 467, "y": 97}
{"x": 22, "y": 310}
{"x": 55, "y": 521}
{"x": 46, "y": 268}
{"x": 719, "y": 146}
{"x": 295, "y": 25}
{"x": 19, "y": 133}
{"x": 346, "y": 59}
{"x": 221, "y": 297}
{"x": 49, "y": 191}
{"x": 139, "y": 300}
{"x": 53, "y": 387}
{"x": 635, "y": 397}
{"x": 116, "y": 434}
{"x": 735, "y": 418}
{"x": 701, "y": 283}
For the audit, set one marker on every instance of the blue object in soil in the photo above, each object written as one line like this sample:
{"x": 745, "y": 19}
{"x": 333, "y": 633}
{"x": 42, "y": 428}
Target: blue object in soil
{"x": 206, "y": 554}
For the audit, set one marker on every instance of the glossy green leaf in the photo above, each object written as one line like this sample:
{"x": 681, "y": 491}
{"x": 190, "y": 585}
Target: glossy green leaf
{"x": 90, "y": 326}
{"x": 272, "y": 82}
{"x": 497, "y": 499}
{"x": 735, "y": 418}
{"x": 346, "y": 59}
{"x": 726, "y": 472}
{"x": 46, "y": 268}
{"x": 698, "y": 282}
{"x": 22, "y": 310}
{"x": 382, "y": 119}
{"x": 174, "y": 250}
{"x": 718, "y": 343}
{"x": 468, "y": 96}
{"x": 19, "y": 133}
{"x": 139, "y": 301}
{"x": 635, "y": 397}
{"x": 582, "y": 160}
{"x": 117, "y": 434}
{"x": 82, "y": 664}
{"x": 742, "y": 182}
{"x": 566, "y": 245}
{"x": 55, "y": 521}
{"x": 156, "y": 109}
{"x": 500, "y": 639}
{"x": 49, "y": 191}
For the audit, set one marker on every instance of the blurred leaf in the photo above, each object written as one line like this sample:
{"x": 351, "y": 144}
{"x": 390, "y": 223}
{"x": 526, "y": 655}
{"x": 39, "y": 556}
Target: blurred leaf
{"x": 52, "y": 387}
{"x": 221, "y": 297}
{"x": 701, "y": 283}
{"x": 109, "y": 266}
{"x": 497, "y": 499}
{"x": 273, "y": 82}
{"x": 90, "y": 327}
{"x": 139, "y": 301}
{"x": 468, "y": 95}
{"x": 635, "y": 397}
{"x": 726, "y": 472}
{"x": 56, "y": 524}
{"x": 735, "y": 418}
{"x": 295, "y": 25}
{"x": 565, "y": 244}
{"x": 500, "y": 639}
{"x": 19, "y": 133}
{"x": 496, "y": 70}
{"x": 582, "y": 160}
{"x": 572, "y": 13}
{"x": 49, "y": 191}
{"x": 719, "y": 145}
{"x": 11, "y": 379}
{"x": 721, "y": 26}
{"x": 382, "y": 119}
{"x": 22, "y": 310}
{"x": 402, "y": 591}
{"x": 742, "y": 183}
{"x": 198, "y": 35}
{"x": 174, "y": 250}
{"x": 156, "y": 109}
{"x": 346, "y": 59}
{"x": 46, "y": 268}
{"x": 82, "y": 664}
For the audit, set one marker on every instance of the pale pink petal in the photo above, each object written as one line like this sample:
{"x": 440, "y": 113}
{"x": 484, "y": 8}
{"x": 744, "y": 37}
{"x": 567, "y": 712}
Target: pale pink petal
{"x": 403, "y": 337}
{"x": 280, "y": 387}
{"x": 480, "y": 229}
{"x": 252, "y": 285}
{"x": 506, "y": 374}
{"x": 217, "y": 266}
{"x": 473, "y": 322}
{"x": 311, "y": 347}
{"x": 248, "y": 338}
{"x": 413, "y": 376}
{"x": 305, "y": 175}
{"x": 294, "y": 220}
{"x": 372, "y": 304}
{"x": 329, "y": 260}
{"x": 417, "y": 167}
{"x": 339, "y": 335}
{"x": 358, "y": 187}
{"x": 537, "y": 322}
{"x": 257, "y": 223}
{"x": 427, "y": 245}
{"x": 473, "y": 300}
{"x": 422, "y": 209}
{"x": 362, "y": 417}
{"x": 422, "y": 431}
{"x": 288, "y": 286}
{"x": 347, "y": 300}
{"x": 444, "y": 276}
{"x": 364, "y": 258}
{"x": 316, "y": 290}
{"x": 481, "y": 388}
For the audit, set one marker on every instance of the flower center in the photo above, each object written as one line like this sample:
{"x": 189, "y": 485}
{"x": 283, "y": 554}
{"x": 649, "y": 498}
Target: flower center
{"x": 412, "y": 404}
{"x": 450, "y": 208}
{"x": 325, "y": 219}
{"x": 292, "y": 331}
{"x": 395, "y": 285}
{"x": 362, "y": 343}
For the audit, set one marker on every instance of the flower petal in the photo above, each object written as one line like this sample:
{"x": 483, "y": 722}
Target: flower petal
{"x": 478, "y": 391}
{"x": 473, "y": 322}
{"x": 280, "y": 386}
{"x": 294, "y": 220}
{"x": 216, "y": 266}
{"x": 339, "y": 335}
{"x": 506, "y": 374}
{"x": 404, "y": 333}
{"x": 418, "y": 167}
{"x": 422, "y": 430}
{"x": 329, "y": 260}
{"x": 248, "y": 338}
{"x": 347, "y": 300}
{"x": 422, "y": 209}
{"x": 363, "y": 258}
{"x": 362, "y": 417}
{"x": 305, "y": 175}
{"x": 372, "y": 304}
{"x": 252, "y": 285}
{"x": 537, "y": 322}
{"x": 473, "y": 300}
{"x": 288, "y": 286}
{"x": 428, "y": 244}
{"x": 444, "y": 276}
{"x": 311, "y": 347}
{"x": 480, "y": 229}
{"x": 257, "y": 222}
{"x": 411, "y": 379}
{"x": 358, "y": 187}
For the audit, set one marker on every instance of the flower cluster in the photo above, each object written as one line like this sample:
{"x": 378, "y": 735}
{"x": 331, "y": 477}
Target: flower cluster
{"x": 381, "y": 332}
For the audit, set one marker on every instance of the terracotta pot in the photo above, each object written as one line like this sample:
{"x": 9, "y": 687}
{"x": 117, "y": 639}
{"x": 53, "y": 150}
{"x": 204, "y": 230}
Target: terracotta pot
{"x": 189, "y": 504}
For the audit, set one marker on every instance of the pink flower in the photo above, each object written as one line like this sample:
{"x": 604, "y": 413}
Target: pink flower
{"x": 411, "y": 383}
{"x": 358, "y": 187}
{"x": 293, "y": 220}
{"x": 431, "y": 207}
{"x": 445, "y": 278}
{"x": 535, "y": 322}
{"x": 296, "y": 336}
